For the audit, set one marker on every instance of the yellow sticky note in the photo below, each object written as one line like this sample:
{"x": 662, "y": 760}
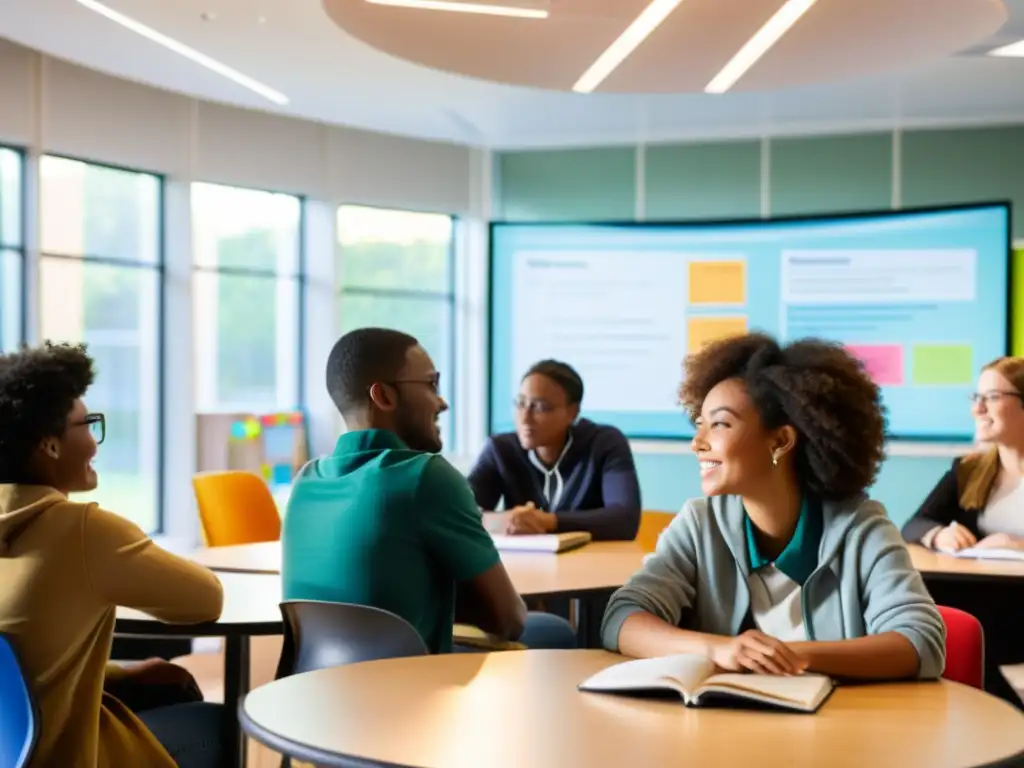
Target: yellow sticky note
{"x": 703, "y": 330}
{"x": 718, "y": 282}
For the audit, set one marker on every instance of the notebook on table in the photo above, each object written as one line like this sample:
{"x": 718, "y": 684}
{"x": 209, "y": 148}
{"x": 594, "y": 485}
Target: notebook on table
{"x": 693, "y": 678}
{"x": 549, "y": 542}
{"x": 987, "y": 553}
{"x": 474, "y": 637}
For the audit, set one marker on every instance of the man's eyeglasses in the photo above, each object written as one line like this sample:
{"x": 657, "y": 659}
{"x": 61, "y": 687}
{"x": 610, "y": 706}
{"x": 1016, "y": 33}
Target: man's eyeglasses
{"x": 988, "y": 398}
{"x": 97, "y": 424}
{"x": 433, "y": 381}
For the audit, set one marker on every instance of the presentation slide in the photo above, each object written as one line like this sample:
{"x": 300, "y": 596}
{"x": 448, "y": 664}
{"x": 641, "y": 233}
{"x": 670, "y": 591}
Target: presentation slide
{"x": 921, "y": 297}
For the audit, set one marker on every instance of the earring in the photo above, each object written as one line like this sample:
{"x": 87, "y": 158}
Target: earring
{"x": 775, "y": 459}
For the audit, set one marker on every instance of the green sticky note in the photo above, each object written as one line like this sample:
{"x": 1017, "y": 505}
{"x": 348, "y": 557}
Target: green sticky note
{"x": 939, "y": 364}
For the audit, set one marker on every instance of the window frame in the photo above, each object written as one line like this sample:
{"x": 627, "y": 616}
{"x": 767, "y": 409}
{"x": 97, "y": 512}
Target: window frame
{"x": 449, "y": 297}
{"x": 301, "y": 277}
{"x": 20, "y": 248}
{"x": 159, "y": 268}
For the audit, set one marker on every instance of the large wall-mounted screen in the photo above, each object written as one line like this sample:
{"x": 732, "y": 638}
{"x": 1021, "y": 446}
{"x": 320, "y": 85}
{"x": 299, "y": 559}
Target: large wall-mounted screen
{"x": 920, "y": 296}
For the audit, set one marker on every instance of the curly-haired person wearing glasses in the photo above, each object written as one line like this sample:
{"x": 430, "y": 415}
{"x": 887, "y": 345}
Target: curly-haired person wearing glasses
{"x": 785, "y": 565}
{"x": 65, "y": 566}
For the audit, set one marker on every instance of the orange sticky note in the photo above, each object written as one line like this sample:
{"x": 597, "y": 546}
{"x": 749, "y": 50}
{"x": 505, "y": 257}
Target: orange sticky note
{"x": 703, "y": 330}
{"x": 718, "y": 282}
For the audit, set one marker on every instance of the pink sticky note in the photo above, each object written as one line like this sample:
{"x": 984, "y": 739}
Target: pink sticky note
{"x": 883, "y": 362}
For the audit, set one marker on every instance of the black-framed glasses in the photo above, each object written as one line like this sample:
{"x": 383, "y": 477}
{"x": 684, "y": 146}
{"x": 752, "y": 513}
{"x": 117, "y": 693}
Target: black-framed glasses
{"x": 97, "y": 424}
{"x": 433, "y": 381}
{"x": 993, "y": 396}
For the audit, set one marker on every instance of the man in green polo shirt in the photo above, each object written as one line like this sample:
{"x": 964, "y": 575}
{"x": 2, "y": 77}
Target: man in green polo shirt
{"x": 384, "y": 520}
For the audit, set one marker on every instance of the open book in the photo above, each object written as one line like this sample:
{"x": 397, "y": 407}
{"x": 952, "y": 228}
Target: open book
{"x": 693, "y": 677}
{"x": 549, "y": 542}
{"x": 987, "y": 553}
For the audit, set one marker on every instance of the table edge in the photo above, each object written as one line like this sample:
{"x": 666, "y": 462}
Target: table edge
{"x": 322, "y": 757}
{"x": 309, "y": 754}
{"x": 157, "y": 628}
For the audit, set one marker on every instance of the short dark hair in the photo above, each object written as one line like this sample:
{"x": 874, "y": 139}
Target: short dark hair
{"x": 817, "y": 387}
{"x": 564, "y": 375}
{"x": 361, "y": 358}
{"x": 38, "y": 389}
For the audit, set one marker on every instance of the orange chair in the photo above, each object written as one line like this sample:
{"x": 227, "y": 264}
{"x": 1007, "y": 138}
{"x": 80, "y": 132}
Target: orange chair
{"x": 651, "y": 525}
{"x": 236, "y": 508}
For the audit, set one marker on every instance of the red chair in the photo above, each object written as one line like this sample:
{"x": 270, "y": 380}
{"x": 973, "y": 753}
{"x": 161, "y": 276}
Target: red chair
{"x": 965, "y": 648}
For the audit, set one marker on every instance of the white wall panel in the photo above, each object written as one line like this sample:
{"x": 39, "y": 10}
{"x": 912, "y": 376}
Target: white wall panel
{"x": 255, "y": 149}
{"x": 17, "y": 86}
{"x": 96, "y": 117}
{"x": 389, "y": 171}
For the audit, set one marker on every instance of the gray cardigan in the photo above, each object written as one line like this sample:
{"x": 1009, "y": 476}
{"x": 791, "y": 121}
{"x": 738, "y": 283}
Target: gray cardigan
{"x": 865, "y": 583}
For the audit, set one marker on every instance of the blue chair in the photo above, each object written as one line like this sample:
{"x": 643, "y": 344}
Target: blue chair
{"x": 19, "y": 724}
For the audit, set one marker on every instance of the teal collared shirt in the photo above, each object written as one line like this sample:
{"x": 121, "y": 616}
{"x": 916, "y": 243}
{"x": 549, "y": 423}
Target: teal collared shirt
{"x": 800, "y": 557}
{"x": 377, "y": 523}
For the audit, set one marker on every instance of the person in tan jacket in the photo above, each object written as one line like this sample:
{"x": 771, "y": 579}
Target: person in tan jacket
{"x": 65, "y": 566}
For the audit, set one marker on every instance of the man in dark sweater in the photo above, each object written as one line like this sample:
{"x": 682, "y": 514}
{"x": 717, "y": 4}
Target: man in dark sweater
{"x": 557, "y": 472}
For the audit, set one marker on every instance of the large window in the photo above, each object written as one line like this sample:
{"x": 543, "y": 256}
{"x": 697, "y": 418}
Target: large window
{"x": 100, "y": 274}
{"x": 12, "y": 250}
{"x": 396, "y": 271}
{"x": 247, "y": 299}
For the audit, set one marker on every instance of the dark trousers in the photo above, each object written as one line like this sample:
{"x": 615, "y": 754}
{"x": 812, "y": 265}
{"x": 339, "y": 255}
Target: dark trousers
{"x": 193, "y": 733}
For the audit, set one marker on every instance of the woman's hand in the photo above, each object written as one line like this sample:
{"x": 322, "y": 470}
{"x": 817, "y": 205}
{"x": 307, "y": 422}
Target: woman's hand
{"x": 754, "y": 651}
{"x": 953, "y": 538}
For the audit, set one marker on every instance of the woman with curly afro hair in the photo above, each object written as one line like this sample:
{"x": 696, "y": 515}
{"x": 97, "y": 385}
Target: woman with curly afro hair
{"x": 65, "y": 566}
{"x": 785, "y": 566}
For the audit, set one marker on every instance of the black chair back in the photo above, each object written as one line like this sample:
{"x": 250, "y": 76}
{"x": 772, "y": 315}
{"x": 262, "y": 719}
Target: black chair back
{"x": 319, "y": 634}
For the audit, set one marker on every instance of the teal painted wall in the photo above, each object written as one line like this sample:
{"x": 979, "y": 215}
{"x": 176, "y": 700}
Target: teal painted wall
{"x": 783, "y": 176}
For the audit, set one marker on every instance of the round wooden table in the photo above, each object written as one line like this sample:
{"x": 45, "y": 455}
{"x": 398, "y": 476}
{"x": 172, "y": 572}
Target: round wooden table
{"x": 251, "y": 608}
{"x": 594, "y": 569}
{"x": 514, "y": 709}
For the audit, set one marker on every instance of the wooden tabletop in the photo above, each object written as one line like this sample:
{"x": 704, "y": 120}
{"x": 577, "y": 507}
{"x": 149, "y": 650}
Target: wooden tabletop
{"x": 507, "y": 710}
{"x": 597, "y": 567}
{"x": 251, "y": 607}
{"x": 933, "y": 564}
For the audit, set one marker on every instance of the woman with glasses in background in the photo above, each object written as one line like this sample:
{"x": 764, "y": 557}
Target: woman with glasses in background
{"x": 65, "y": 567}
{"x": 979, "y": 502}
{"x": 557, "y": 472}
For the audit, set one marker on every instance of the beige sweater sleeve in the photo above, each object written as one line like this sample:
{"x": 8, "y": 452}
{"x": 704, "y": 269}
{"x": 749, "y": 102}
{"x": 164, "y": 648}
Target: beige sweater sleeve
{"x": 126, "y": 568}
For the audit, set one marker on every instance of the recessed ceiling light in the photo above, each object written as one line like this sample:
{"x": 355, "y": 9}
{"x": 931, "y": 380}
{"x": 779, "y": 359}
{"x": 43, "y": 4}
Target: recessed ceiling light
{"x": 1012, "y": 50}
{"x": 463, "y": 7}
{"x": 649, "y": 20}
{"x": 757, "y": 46}
{"x": 189, "y": 53}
